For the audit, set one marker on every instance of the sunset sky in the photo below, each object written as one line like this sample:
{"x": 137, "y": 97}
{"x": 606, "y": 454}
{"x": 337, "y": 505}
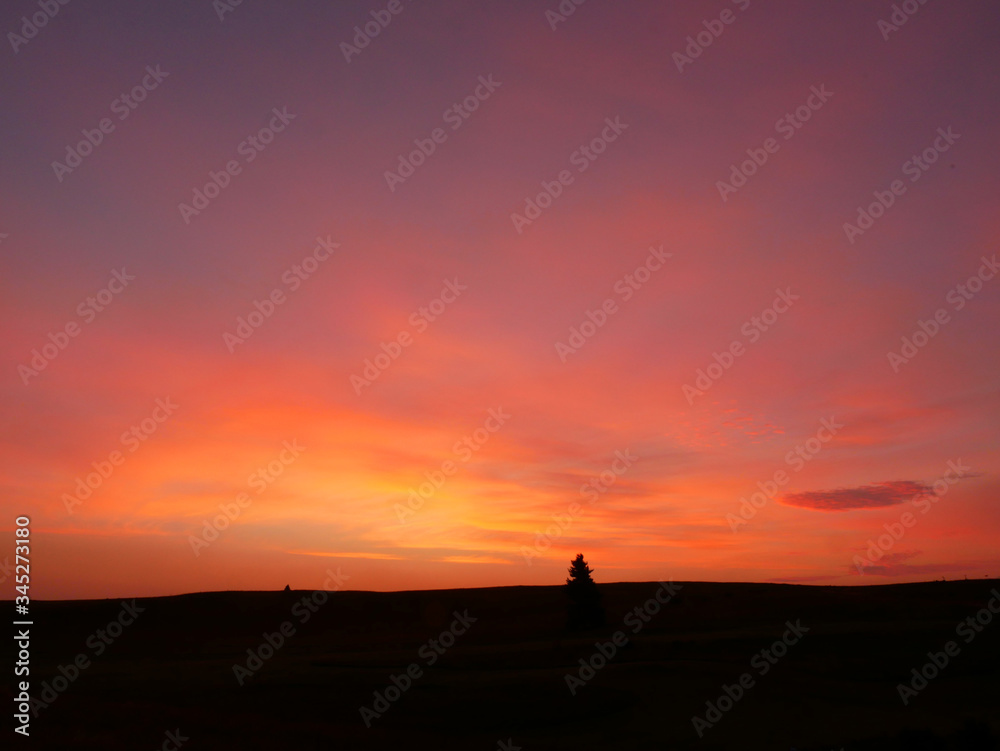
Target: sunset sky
{"x": 480, "y": 304}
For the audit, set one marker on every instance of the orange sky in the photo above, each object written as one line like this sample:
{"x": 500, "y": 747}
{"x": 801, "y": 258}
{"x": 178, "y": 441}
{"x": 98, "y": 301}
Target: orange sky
{"x": 481, "y": 299}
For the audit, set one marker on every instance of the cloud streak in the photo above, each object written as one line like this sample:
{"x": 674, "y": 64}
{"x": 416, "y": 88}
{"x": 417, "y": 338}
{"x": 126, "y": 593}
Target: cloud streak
{"x": 877, "y": 495}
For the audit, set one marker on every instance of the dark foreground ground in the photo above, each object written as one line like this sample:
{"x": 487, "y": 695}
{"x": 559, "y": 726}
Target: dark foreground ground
{"x": 502, "y": 683}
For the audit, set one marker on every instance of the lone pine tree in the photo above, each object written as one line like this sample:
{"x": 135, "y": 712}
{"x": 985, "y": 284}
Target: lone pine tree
{"x": 585, "y": 609}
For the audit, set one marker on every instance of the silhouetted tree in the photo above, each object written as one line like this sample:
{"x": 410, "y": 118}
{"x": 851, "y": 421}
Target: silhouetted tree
{"x": 580, "y": 585}
{"x": 585, "y": 609}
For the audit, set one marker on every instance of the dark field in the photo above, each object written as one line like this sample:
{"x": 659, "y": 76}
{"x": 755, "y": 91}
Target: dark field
{"x": 504, "y": 678}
